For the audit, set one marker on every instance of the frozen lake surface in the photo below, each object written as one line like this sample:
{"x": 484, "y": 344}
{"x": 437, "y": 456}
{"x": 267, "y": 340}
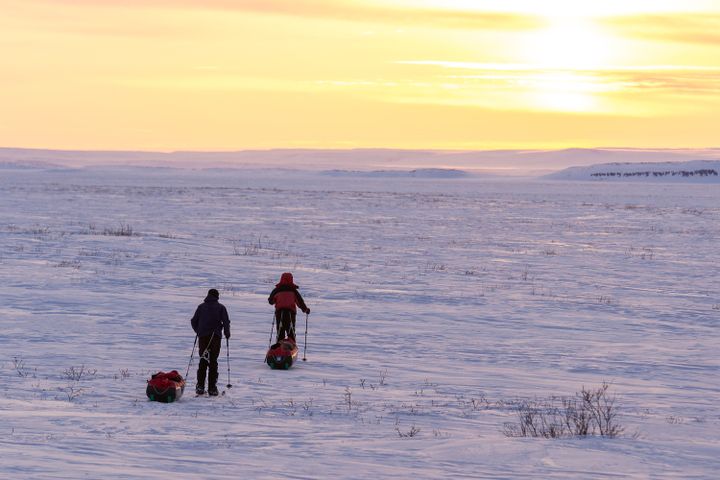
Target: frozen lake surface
{"x": 438, "y": 306}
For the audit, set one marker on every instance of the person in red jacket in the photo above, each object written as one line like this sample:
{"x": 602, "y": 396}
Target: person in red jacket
{"x": 285, "y": 297}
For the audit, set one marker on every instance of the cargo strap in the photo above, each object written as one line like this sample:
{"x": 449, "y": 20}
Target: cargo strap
{"x": 206, "y": 354}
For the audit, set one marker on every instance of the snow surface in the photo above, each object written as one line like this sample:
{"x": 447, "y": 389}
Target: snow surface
{"x": 437, "y": 304}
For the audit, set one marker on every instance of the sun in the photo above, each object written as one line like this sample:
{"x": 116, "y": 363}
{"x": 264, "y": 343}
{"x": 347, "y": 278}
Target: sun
{"x": 567, "y": 43}
{"x": 563, "y": 56}
{"x": 557, "y": 62}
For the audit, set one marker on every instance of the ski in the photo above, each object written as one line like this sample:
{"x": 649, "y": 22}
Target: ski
{"x": 221, "y": 394}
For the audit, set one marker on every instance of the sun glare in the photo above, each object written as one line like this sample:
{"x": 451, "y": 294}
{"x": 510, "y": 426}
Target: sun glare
{"x": 557, "y": 60}
{"x": 567, "y": 44}
{"x": 565, "y": 92}
{"x": 561, "y": 52}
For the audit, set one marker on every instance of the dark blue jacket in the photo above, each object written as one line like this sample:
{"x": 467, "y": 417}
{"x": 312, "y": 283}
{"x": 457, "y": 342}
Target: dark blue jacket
{"x": 211, "y": 317}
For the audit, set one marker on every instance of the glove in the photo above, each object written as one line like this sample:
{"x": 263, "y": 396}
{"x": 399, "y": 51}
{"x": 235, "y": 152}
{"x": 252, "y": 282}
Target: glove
{"x": 307, "y": 310}
{"x": 227, "y": 335}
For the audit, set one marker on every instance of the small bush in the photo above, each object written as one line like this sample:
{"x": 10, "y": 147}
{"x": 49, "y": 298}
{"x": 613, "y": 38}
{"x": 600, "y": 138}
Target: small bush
{"x": 73, "y": 392}
{"x": 248, "y": 250}
{"x": 74, "y": 264}
{"x": 77, "y": 373}
{"x": 348, "y": 398}
{"x": 124, "y": 230}
{"x": 19, "y": 365}
{"x": 589, "y": 412}
{"x": 414, "y": 431}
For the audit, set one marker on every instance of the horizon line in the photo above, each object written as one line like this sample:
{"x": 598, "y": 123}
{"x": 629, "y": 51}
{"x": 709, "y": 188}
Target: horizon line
{"x": 354, "y": 149}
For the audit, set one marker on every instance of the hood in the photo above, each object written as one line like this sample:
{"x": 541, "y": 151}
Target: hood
{"x": 286, "y": 279}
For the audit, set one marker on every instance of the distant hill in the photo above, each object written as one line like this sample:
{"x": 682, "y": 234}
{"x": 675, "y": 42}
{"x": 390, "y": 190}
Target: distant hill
{"x": 697, "y": 171}
{"x": 27, "y": 165}
{"x": 422, "y": 162}
{"x": 417, "y": 173}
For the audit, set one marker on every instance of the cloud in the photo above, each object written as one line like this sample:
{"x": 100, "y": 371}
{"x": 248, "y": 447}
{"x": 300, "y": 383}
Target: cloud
{"x": 348, "y": 10}
{"x": 659, "y": 78}
{"x": 686, "y": 28}
{"x": 690, "y": 83}
{"x": 640, "y": 91}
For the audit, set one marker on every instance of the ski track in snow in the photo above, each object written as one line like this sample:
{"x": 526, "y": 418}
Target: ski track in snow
{"x": 437, "y": 304}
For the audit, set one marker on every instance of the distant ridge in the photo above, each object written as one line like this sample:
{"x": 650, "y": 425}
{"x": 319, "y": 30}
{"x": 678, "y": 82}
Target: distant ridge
{"x": 697, "y": 171}
{"x": 28, "y": 165}
{"x": 506, "y": 162}
{"x": 418, "y": 173}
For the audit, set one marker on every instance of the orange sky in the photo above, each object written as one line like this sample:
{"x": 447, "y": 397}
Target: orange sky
{"x": 442, "y": 74}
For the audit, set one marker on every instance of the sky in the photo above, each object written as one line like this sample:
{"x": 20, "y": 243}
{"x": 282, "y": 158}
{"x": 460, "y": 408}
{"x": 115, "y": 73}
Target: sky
{"x": 220, "y": 75}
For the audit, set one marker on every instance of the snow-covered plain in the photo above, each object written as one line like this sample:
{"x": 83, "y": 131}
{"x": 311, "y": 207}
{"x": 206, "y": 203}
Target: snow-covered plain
{"x": 437, "y": 304}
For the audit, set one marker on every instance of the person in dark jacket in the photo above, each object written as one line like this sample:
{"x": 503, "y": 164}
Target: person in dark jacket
{"x": 286, "y": 297}
{"x": 210, "y": 322}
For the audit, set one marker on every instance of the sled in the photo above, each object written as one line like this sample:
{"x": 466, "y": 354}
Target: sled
{"x": 166, "y": 387}
{"x": 282, "y": 355}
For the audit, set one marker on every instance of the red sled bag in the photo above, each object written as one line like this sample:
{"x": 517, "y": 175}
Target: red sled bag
{"x": 165, "y": 387}
{"x": 282, "y": 355}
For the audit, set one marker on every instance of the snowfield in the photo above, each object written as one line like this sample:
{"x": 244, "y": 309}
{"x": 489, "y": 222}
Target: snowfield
{"x": 439, "y": 306}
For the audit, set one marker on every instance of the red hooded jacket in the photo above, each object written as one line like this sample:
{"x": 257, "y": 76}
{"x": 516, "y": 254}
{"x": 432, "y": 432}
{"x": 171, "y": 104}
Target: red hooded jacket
{"x": 285, "y": 295}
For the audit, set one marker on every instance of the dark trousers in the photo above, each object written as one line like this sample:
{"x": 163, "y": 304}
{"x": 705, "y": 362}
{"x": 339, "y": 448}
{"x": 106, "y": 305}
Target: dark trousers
{"x": 285, "y": 322}
{"x": 209, "y": 352}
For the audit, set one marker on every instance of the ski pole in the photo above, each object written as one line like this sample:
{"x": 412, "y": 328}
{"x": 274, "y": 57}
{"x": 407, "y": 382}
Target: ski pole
{"x": 227, "y": 348}
{"x": 305, "y": 346}
{"x": 272, "y": 327}
{"x": 191, "y": 356}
